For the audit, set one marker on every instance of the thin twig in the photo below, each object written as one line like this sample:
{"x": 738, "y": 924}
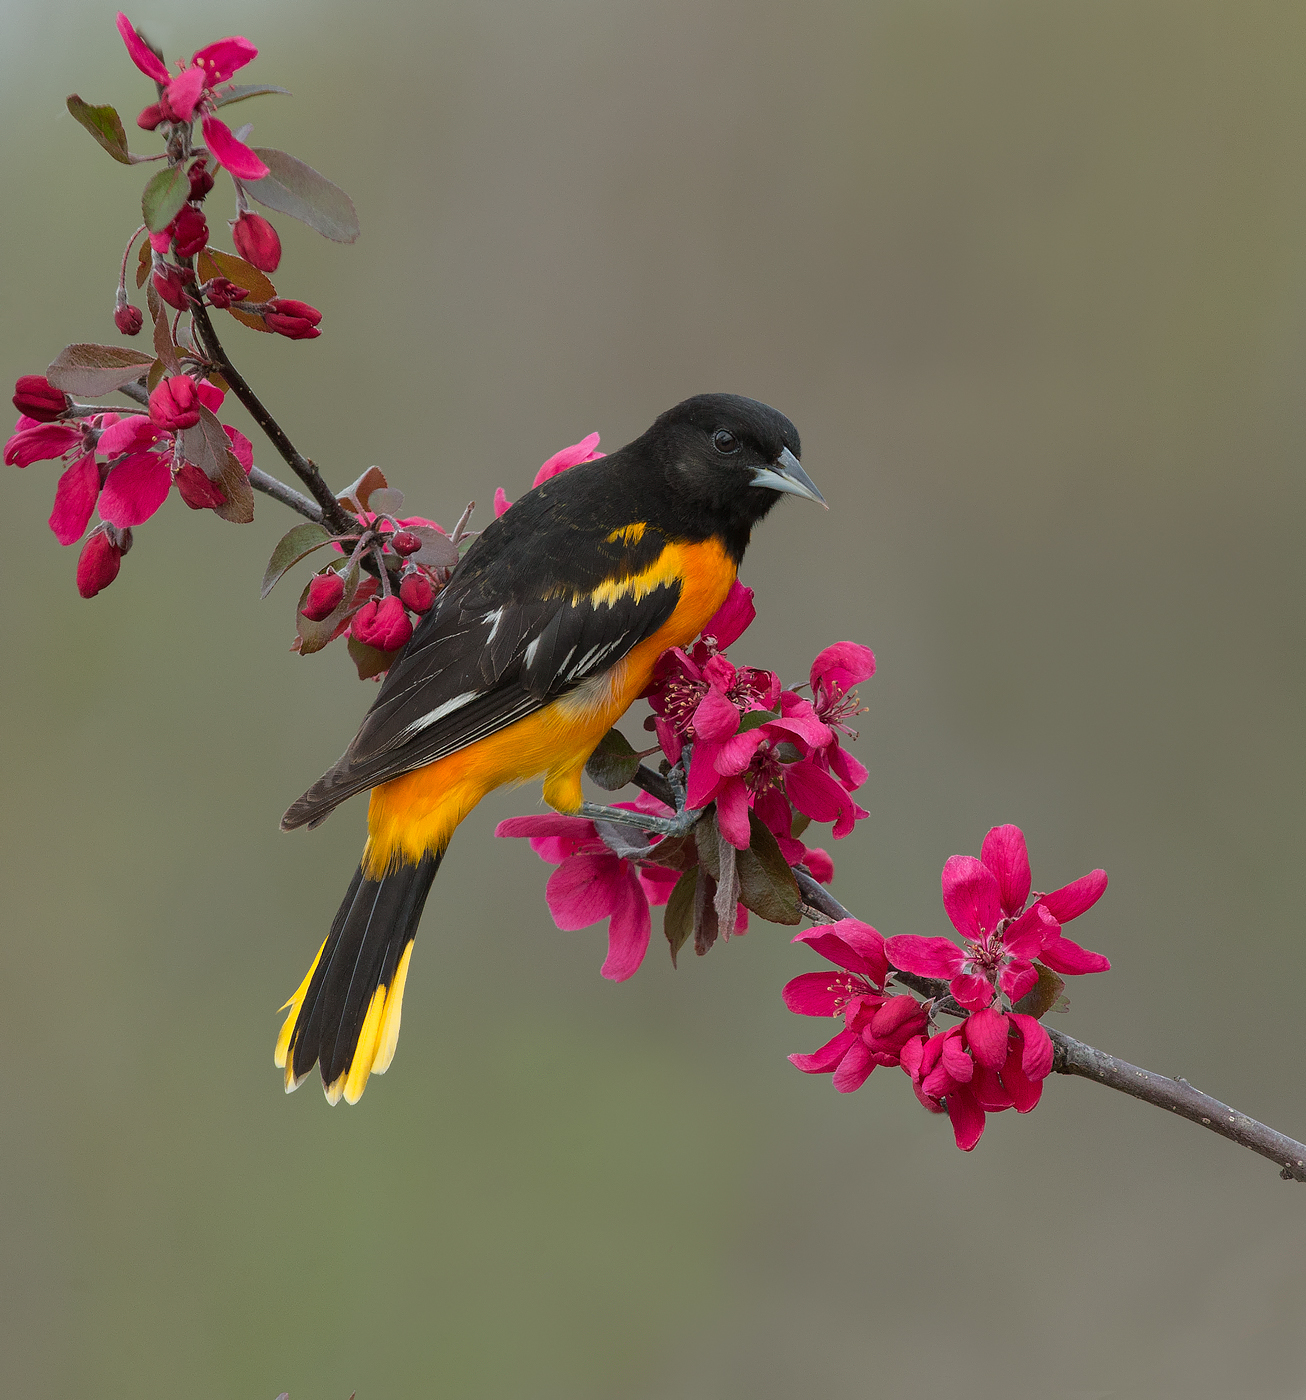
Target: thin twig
{"x": 1072, "y": 1056}
{"x": 334, "y": 515}
{"x": 287, "y": 495}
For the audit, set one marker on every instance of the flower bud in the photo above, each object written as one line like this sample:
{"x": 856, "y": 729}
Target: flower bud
{"x": 222, "y": 292}
{"x": 35, "y": 396}
{"x": 171, "y": 286}
{"x": 175, "y": 404}
{"x": 294, "y": 319}
{"x": 197, "y": 489}
{"x": 128, "y": 318}
{"x": 190, "y": 231}
{"x": 201, "y": 182}
{"x": 405, "y": 542}
{"x": 324, "y": 595}
{"x": 150, "y": 118}
{"x": 97, "y": 565}
{"x": 256, "y": 241}
{"x": 416, "y": 592}
{"x": 383, "y": 624}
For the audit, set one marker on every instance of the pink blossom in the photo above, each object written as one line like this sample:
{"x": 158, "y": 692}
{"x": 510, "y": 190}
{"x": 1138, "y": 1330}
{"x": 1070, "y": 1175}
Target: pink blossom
{"x": 135, "y": 488}
{"x": 296, "y": 320}
{"x": 586, "y": 450}
{"x": 40, "y": 442}
{"x": 382, "y": 624}
{"x": 74, "y": 499}
{"x": 223, "y": 58}
{"x": 140, "y": 52}
{"x": 98, "y": 564}
{"x": 417, "y": 591}
{"x": 35, "y": 397}
{"x": 324, "y": 596}
{"x": 256, "y": 241}
{"x": 241, "y": 447}
{"x": 876, "y": 1025}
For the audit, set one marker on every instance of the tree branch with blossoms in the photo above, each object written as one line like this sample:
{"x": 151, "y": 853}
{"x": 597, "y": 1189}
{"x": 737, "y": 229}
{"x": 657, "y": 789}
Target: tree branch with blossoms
{"x": 716, "y": 834}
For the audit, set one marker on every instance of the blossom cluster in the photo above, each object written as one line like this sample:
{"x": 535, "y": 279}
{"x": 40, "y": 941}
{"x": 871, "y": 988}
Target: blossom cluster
{"x": 999, "y": 1054}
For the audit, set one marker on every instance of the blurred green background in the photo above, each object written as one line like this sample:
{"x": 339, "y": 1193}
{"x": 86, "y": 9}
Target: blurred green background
{"x": 1030, "y": 279}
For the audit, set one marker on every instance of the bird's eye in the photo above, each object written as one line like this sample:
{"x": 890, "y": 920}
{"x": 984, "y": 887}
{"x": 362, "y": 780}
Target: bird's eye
{"x": 725, "y": 442}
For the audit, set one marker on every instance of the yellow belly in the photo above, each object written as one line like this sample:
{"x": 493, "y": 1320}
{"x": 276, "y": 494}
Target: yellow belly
{"x": 419, "y": 811}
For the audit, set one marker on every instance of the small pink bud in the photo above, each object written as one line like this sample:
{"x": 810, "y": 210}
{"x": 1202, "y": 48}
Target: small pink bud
{"x": 324, "y": 595}
{"x": 416, "y": 592}
{"x": 150, "y": 118}
{"x": 405, "y": 542}
{"x": 383, "y": 624}
{"x": 97, "y": 565}
{"x": 222, "y": 292}
{"x": 294, "y": 319}
{"x": 171, "y": 286}
{"x": 197, "y": 489}
{"x": 190, "y": 231}
{"x": 256, "y": 241}
{"x": 175, "y": 404}
{"x": 201, "y": 182}
{"x": 128, "y": 319}
{"x": 35, "y": 396}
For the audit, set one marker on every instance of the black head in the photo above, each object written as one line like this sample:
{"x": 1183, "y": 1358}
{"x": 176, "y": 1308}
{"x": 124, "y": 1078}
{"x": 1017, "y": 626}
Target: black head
{"x": 728, "y": 456}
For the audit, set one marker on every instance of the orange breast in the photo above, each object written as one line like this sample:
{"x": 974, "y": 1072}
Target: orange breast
{"x": 419, "y": 811}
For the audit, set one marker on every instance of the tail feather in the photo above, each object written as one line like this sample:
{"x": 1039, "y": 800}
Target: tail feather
{"x": 345, "y": 1014}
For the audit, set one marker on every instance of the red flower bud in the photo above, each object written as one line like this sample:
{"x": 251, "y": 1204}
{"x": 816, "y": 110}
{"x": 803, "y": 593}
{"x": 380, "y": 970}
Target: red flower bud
{"x": 128, "y": 319}
{"x": 190, "y": 231}
{"x": 151, "y": 117}
{"x": 405, "y": 542}
{"x": 35, "y": 396}
{"x": 197, "y": 489}
{"x": 222, "y": 292}
{"x": 256, "y": 241}
{"x": 416, "y": 592}
{"x": 294, "y": 319}
{"x": 97, "y": 565}
{"x": 383, "y": 624}
{"x": 201, "y": 182}
{"x": 175, "y": 404}
{"x": 324, "y": 595}
{"x": 171, "y": 285}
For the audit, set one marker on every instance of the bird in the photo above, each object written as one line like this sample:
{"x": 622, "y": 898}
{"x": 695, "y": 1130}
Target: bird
{"x": 546, "y": 632}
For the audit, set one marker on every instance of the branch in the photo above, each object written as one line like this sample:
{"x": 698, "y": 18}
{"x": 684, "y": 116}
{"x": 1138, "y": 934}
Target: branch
{"x": 287, "y": 495}
{"x": 1071, "y": 1056}
{"x": 333, "y": 514}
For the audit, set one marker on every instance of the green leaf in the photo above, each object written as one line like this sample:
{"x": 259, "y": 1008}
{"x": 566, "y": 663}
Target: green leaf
{"x": 388, "y": 500}
{"x": 105, "y": 125}
{"x": 163, "y": 343}
{"x": 437, "y": 552}
{"x": 755, "y": 719}
{"x": 155, "y": 376}
{"x": 1041, "y": 999}
{"x": 614, "y": 763}
{"x": 801, "y": 822}
{"x": 238, "y": 92}
{"x": 675, "y": 852}
{"x": 706, "y": 838}
{"x": 313, "y": 636}
{"x": 293, "y": 546}
{"x": 766, "y": 883}
{"x": 206, "y": 445}
{"x": 239, "y": 505}
{"x": 678, "y": 917}
{"x": 144, "y": 262}
{"x": 92, "y": 370}
{"x": 371, "y": 661}
{"x": 165, "y": 193}
{"x": 297, "y": 189}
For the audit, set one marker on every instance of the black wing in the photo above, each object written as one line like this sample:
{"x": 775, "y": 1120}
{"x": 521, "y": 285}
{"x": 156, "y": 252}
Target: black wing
{"x": 524, "y": 620}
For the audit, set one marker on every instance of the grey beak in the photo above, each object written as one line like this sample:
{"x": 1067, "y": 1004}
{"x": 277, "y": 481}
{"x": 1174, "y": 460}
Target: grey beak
{"x": 787, "y": 474}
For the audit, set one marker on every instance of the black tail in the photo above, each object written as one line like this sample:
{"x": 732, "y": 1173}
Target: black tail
{"x": 345, "y": 1015}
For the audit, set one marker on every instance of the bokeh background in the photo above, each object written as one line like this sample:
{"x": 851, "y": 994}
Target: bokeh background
{"x": 1030, "y": 279}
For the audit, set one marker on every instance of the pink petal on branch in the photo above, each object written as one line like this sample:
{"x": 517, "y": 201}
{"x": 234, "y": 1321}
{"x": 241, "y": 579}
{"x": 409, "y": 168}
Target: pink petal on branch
{"x": 501, "y": 501}
{"x": 548, "y": 824}
{"x": 1076, "y": 898}
{"x": 825, "y": 1059}
{"x": 732, "y": 812}
{"x": 134, "y": 433}
{"x": 850, "y": 944}
{"x": 41, "y": 443}
{"x": 97, "y": 565}
{"x": 227, "y": 151}
{"x": 583, "y": 890}
{"x": 241, "y": 447}
{"x": 182, "y": 93}
{"x": 971, "y": 897}
{"x": 927, "y": 957}
{"x": 816, "y": 994}
{"x": 843, "y": 665}
{"x": 732, "y": 618}
{"x": 74, "y": 499}
{"x": 986, "y": 1034}
{"x": 1005, "y": 854}
{"x": 1034, "y": 928}
{"x": 967, "y": 1117}
{"x": 582, "y": 451}
{"x": 222, "y": 58}
{"x": 628, "y": 931}
{"x": 135, "y": 489}
{"x": 956, "y": 1061}
{"x": 1065, "y": 955}
{"x": 140, "y": 52}
{"x": 1036, "y": 1057}
{"x": 855, "y": 1068}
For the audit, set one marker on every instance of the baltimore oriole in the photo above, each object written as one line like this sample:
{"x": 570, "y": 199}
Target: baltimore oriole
{"x": 546, "y": 632}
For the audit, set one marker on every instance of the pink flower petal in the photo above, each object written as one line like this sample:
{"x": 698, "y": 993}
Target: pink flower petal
{"x": 897, "y": 1012}
{"x": 74, "y": 499}
{"x": 845, "y": 767}
{"x": 799, "y": 722}
{"x": 854, "y": 1069}
{"x": 971, "y": 990}
{"x": 657, "y": 882}
{"x": 819, "y": 863}
{"x": 1072, "y": 900}
{"x": 1017, "y": 978}
{"x": 843, "y": 665}
{"x": 986, "y": 1034}
{"x": 140, "y": 53}
{"x": 715, "y": 719}
{"x": 971, "y": 897}
{"x": 1036, "y": 1058}
{"x": 736, "y": 753}
{"x": 221, "y": 59}
{"x": 849, "y": 944}
{"x": 582, "y": 451}
{"x": 967, "y": 1118}
{"x": 210, "y": 395}
{"x": 956, "y": 1061}
{"x": 732, "y": 618}
{"x": 1025, "y": 1092}
{"x": 183, "y": 92}
{"x": 548, "y": 824}
{"x": 732, "y": 812}
{"x": 135, "y": 433}
{"x": 584, "y": 889}
{"x": 1004, "y": 853}
{"x": 42, "y": 443}
{"x": 990, "y": 1092}
{"x": 135, "y": 489}
{"x": 817, "y": 993}
{"x": 241, "y": 447}
{"x": 1065, "y": 955}
{"x": 501, "y": 501}
{"x": 815, "y": 792}
{"x": 1030, "y": 932}
{"x": 822, "y": 1061}
{"x": 628, "y": 933}
{"x": 927, "y": 957}
{"x": 227, "y": 151}
{"x": 704, "y": 780}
